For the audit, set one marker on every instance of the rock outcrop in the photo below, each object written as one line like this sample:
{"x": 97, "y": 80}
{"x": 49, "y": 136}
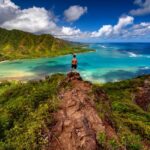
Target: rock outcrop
{"x": 77, "y": 122}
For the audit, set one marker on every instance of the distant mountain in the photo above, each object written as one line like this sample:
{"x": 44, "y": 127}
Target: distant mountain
{"x": 17, "y": 44}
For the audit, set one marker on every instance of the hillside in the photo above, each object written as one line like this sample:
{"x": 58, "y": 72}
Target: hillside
{"x": 17, "y": 44}
{"x": 67, "y": 113}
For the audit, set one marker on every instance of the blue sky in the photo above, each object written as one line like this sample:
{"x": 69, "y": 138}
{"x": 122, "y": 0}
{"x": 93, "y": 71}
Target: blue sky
{"x": 80, "y": 20}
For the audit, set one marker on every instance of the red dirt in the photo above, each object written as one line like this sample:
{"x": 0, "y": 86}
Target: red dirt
{"x": 77, "y": 122}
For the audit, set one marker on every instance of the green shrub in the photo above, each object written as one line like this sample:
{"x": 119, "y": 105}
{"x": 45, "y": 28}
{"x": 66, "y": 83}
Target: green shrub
{"x": 26, "y": 113}
{"x": 102, "y": 139}
{"x": 131, "y": 141}
{"x": 113, "y": 145}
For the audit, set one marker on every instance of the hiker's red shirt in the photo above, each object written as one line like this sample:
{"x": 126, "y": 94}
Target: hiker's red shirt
{"x": 74, "y": 61}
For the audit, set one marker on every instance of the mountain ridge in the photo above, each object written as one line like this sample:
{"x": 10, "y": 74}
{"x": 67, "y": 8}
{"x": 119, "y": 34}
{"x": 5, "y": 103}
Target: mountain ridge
{"x": 16, "y": 44}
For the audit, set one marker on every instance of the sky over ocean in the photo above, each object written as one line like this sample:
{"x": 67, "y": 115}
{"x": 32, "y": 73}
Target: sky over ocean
{"x": 80, "y": 20}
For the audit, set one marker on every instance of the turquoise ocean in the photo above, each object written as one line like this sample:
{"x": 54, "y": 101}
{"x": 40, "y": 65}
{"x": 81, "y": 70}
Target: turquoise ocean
{"x": 109, "y": 63}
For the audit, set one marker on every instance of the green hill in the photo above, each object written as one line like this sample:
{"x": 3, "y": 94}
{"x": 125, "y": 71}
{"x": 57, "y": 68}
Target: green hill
{"x": 17, "y": 44}
{"x": 28, "y": 114}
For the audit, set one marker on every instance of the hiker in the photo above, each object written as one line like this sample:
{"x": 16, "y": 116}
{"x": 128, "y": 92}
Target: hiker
{"x": 74, "y": 62}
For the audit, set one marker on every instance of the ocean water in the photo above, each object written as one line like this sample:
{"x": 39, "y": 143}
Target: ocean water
{"x": 109, "y": 63}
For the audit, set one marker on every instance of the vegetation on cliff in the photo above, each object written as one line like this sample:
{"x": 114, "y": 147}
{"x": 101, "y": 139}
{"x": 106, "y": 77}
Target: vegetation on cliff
{"x": 27, "y": 112}
{"x": 17, "y": 44}
{"x": 130, "y": 121}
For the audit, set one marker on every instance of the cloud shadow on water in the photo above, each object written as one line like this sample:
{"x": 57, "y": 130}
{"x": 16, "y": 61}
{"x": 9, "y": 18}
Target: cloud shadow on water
{"x": 46, "y": 69}
{"x": 15, "y": 62}
{"x": 47, "y": 62}
{"x": 121, "y": 75}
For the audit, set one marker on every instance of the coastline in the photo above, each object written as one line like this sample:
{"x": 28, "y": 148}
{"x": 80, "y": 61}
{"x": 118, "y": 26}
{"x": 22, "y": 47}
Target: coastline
{"x": 52, "y": 56}
{"x": 24, "y": 79}
{"x": 4, "y": 61}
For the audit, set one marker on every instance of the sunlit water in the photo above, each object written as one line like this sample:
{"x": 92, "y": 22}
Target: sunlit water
{"x": 110, "y": 62}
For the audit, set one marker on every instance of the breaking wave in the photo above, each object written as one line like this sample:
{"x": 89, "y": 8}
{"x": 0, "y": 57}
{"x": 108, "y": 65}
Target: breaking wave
{"x": 131, "y": 54}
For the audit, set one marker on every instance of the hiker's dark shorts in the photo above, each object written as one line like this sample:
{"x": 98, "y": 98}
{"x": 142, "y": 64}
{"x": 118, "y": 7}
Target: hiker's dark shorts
{"x": 74, "y": 66}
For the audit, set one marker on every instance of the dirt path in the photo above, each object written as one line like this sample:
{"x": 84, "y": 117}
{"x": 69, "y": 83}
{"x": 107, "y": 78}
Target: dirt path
{"x": 77, "y": 121}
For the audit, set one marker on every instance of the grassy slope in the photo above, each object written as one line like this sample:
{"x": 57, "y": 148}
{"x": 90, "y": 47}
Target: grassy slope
{"x": 131, "y": 122}
{"x": 26, "y": 113}
{"x": 17, "y": 44}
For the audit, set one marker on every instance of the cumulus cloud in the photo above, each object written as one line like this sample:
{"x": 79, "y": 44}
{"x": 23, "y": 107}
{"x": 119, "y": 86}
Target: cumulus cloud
{"x": 33, "y": 19}
{"x": 139, "y": 30}
{"x": 73, "y": 13}
{"x": 8, "y": 3}
{"x": 8, "y": 10}
{"x": 105, "y": 30}
{"x": 70, "y": 31}
{"x": 123, "y": 22}
{"x": 73, "y": 34}
{"x": 144, "y": 8}
{"x": 109, "y": 30}
{"x": 121, "y": 31}
{"x": 39, "y": 20}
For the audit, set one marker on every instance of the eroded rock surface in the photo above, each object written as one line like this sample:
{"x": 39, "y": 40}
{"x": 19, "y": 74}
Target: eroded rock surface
{"x": 77, "y": 122}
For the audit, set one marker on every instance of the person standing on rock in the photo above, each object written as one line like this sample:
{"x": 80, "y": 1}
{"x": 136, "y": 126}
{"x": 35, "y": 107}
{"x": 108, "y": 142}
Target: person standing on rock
{"x": 74, "y": 63}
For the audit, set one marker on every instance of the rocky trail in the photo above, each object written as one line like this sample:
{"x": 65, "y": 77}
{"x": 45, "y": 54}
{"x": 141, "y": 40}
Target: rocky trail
{"x": 77, "y": 122}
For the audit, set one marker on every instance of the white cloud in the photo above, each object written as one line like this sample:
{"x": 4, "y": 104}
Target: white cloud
{"x": 8, "y": 3}
{"x": 35, "y": 20}
{"x": 39, "y": 20}
{"x": 32, "y": 20}
{"x": 73, "y": 13}
{"x": 144, "y": 8}
{"x": 106, "y": 30}
{"x": 109, "y": 30}
{"x": 123, "y": 22}
{"x": 70, "y": 31}
{"x": 8, "y": 10}
{"x": 139, "y": 30}
{"x": 138, "y": 2}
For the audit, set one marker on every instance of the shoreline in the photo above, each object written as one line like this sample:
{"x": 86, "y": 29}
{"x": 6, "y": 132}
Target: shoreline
{"x": 23, "y": 79}
{"x": 78, "y": 52}
{"x": 3, "y": 61}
